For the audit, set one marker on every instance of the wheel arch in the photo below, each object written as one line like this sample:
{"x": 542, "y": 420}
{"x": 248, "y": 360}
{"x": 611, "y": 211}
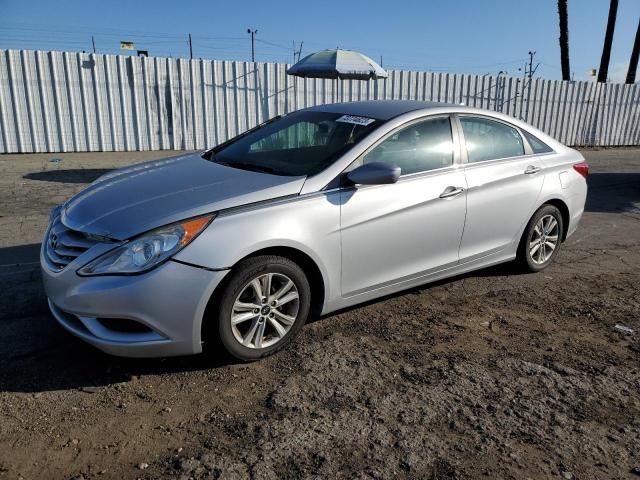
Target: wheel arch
{"x": 564, "y": 211}
{"x": 308, "y": 265}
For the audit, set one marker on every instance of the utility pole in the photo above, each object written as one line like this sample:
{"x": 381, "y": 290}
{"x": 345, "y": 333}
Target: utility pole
{"x": 300, "y": 49}
{"x": 381, "y": 60}
{"x": 93, "y": 42}
{"x": 499, "y": 89}
{"x": 190, "y": 48}
{"x": 253, "y": 43}
{"x": 530, "y": 73}
{"x": 532, "y": 70}
{"x": 519, "y": 89}
{"x": 297, "y": 53}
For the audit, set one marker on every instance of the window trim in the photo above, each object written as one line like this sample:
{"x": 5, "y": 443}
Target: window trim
{"x": 528, "y": 150}
{"x": 524, "y": 132}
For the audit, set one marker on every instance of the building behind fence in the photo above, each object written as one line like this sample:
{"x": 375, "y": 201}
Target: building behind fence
{"x": 79, "y": 102}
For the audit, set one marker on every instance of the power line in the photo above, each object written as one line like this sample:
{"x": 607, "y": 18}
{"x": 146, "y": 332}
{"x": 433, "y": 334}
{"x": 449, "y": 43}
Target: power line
{"x": 156, "y": 37}
{"x": 164, "y": 43}
{"x": 84, "y": 31}
{"x": 169, "y": 38}
{"x": 272, "y": 44}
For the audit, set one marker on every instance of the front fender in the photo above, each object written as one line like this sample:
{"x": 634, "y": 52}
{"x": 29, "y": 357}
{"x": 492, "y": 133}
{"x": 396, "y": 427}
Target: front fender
{"x": 308, "y": 223}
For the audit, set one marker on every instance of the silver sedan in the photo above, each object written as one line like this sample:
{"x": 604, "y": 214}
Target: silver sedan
{"x": 234, "y": 248}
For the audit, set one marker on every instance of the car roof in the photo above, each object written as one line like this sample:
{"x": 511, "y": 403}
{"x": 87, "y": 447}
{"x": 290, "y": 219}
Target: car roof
{"x": 389, "y": 109}
{"x": 378, "y": 109}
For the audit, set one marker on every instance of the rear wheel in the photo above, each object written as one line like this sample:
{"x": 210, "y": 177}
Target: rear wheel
{"x": 263, "y": 307}
{"x": 541, "y": 239}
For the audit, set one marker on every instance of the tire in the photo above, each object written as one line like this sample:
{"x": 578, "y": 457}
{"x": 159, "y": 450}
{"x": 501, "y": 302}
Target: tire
{"x": 240, "y": 291}
{"x": 536, "y": 259}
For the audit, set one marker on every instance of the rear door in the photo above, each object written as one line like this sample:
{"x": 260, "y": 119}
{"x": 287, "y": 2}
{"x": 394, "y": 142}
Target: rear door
{"x": 504, "y": 183}
{"x": 394, "y": 233}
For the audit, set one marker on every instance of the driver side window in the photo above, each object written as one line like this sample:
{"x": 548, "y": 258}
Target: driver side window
{"x": 420, "y": 147}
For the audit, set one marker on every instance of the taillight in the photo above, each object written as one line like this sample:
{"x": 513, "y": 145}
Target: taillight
{"x": 582, "y": 168}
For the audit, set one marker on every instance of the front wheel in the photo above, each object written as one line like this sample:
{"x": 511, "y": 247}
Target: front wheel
{"x": 263, "y": 307}
{"x": 541, "y": 239}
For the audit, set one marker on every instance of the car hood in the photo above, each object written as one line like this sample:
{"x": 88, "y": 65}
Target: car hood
{"x": 132, "y": 200}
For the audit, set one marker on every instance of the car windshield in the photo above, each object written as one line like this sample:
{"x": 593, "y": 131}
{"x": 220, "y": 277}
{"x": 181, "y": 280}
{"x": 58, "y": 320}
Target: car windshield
{"x": 301, "y": 143}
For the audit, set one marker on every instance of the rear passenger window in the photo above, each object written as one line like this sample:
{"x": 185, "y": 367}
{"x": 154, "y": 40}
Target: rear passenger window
{"x": 420, "y": 147}
{"x": 537, "y": 145}
{"x": 489, "y": 140}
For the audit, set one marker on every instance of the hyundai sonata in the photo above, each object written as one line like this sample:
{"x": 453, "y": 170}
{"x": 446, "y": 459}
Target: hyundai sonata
{"x": 307, "y": 213}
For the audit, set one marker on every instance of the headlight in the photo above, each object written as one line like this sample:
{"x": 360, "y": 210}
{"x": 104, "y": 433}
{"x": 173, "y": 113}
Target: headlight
{"x": 148, "y": 250}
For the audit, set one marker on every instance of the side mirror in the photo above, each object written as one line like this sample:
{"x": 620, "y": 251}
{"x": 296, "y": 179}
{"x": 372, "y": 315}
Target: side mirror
{"x": 374, "y": 173}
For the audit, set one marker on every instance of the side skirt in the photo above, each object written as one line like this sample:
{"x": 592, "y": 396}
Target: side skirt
{"x": 476, "y": 264}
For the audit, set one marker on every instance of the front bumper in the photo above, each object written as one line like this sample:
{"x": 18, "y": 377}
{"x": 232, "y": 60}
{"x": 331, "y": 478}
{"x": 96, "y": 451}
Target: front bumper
{"x": 168, "y": 302}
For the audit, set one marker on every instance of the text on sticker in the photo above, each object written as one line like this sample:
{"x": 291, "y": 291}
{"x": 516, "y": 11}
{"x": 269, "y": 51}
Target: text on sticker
{"x": 355, "y": 120}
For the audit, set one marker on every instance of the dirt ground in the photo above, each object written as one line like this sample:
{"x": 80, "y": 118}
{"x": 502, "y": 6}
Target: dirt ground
{"x": 495, "y": 374}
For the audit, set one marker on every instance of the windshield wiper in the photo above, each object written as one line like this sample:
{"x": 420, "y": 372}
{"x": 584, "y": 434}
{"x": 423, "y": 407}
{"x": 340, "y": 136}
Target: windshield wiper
{"x": 248, "y": 166}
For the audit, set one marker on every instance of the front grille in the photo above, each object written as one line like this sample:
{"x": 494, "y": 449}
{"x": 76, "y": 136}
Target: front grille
{"x": 64, "y": 245}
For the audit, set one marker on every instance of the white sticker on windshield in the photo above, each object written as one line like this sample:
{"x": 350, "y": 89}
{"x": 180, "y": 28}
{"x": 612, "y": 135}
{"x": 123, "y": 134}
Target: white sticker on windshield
{"x": 355, "y": 120}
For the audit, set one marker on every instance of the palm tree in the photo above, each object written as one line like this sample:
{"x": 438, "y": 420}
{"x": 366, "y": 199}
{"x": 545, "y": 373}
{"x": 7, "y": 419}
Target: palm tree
{"x": 633, "y": 63}
{"x": 564, "y": 39}
{"x": 608, "y": 40}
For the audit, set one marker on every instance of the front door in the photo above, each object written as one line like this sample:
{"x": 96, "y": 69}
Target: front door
{"x": 398, "y": 232}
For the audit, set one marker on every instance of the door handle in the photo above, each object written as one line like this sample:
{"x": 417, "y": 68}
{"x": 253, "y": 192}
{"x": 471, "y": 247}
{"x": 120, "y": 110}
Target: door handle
{"x": 451, "y": 192}
{"x": 531, "y": 169}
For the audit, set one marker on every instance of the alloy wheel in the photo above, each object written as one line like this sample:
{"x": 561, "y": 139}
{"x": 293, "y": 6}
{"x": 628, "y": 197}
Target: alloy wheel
{"x": 544, "y": 239}
{"x": 265, "y": 310}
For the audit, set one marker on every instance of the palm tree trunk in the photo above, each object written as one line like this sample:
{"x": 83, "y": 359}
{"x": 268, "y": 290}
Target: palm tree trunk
{"x": 564, "y": 39}
{"x": 608, "y": 40}
{"x": 633, "y": 63}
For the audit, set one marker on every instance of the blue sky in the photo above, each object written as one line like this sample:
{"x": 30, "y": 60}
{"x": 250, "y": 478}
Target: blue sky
{"x": 476, "y": 36}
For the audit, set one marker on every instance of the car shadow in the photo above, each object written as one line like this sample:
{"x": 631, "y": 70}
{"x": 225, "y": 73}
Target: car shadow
{"x": 37, "y": 355}
{"x": 74, "y": 175}
{"x": 613, "y": 192}
{"x": 509, "y": 269}
{"x": 19, "y": 254}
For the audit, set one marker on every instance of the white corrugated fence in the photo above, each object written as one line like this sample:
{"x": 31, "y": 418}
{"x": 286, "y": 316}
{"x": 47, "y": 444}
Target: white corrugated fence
{"x": 80, "y": 102}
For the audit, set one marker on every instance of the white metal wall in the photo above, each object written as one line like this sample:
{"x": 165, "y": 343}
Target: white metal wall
{"x": 78, "y": 102}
